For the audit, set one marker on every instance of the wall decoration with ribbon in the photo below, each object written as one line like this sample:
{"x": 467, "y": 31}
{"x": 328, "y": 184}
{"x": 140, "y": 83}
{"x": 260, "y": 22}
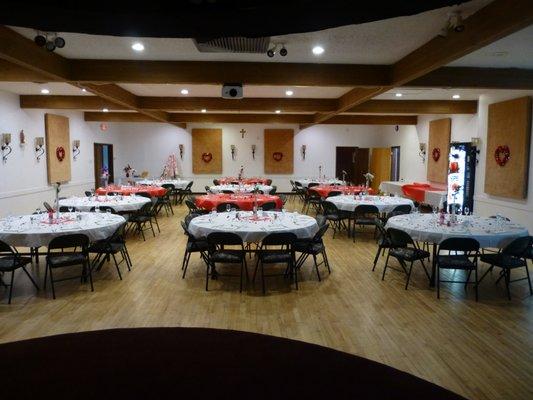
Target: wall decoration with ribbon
{"x": 60, "y": 153}
{"x": 435, "y": 154}
{"x": 502, "y": 155}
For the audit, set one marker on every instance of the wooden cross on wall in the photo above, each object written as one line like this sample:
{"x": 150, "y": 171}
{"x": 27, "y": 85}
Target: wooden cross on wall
{"x": 242, "y": 131}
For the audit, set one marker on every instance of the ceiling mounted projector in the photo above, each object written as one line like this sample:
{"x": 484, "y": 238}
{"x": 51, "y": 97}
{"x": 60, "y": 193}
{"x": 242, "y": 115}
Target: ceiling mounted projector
{"x": 232, "y": 91}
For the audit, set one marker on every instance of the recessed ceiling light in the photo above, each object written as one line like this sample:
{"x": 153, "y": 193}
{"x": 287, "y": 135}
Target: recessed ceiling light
{"x": 184, "y": 91}
{"x": 137, "y": 46}
{"x": 278, "y": 111}
{"x": 399, "y": 95}
{"x": 456, "y": 96}
{"x": 289, "y": 92}
{"x": 204, "y": 110}
{"x": 317, "y": 50}
{"x": 84, "y": 90}
{"x": 45, "y": 91}
{"x": 105, "y": 110}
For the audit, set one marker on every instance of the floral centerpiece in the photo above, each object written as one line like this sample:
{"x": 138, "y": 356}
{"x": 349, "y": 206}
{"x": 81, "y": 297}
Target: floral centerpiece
{"x": 129, "y": 171}
{"x": 368, "y": 178}
{"x": 241, "y": 173}
{"x": 170, "y": 171}
{"x": 105, "y": 175}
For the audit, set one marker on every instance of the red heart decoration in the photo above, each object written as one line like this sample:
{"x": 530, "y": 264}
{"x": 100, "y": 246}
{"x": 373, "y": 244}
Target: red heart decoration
{"x": 502, "y": 155}
{"x": 207, "y": 157}
{"x": 60, "y": 153}
{"x": 435, "y": 154}
{"x": 277, "y": 155}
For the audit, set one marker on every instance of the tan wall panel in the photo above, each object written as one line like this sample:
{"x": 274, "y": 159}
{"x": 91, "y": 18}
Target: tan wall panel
{"x": 207, "y": 141}
{"x": 509, "y": 124}
{"x": 57, "y": 135}
{"x": 380, "y": 165}
{"x": 279, "y": 141}
{"x": 439, "y": 138}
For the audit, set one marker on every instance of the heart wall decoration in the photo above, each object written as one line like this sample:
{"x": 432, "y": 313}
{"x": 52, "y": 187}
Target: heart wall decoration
{"x": 207, "y": 157}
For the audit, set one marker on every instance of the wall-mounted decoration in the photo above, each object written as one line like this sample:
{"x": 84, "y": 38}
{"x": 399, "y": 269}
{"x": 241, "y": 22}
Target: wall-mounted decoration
{"x": 507, "y": 156}
{"x": 439, "y": 143}
{"x": 207, "y": 151}
{"x": 242, "y": 132}
{"x": 76, "y": 148}
{"x": 103, "y": 127}
{"x": 502, "y": 155}
{"x": 279, "y": 151}
{"x": 233, "y": 152}
{"x": 253, "y": 151}
{"x": 22, "y": 137}
{"x": 6, "y": 146}
{"x": 303, "y": 150}
{"x": 57, "y": 147}
{"x": 39, "y": 147}
{"x": 422, "y": 151}
{"x": 182, "y": 150}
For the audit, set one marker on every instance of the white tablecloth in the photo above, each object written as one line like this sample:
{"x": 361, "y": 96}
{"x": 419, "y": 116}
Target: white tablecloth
{"x": 431, "y": 197}
{"x": 392, "y": 187}
{"x": 243, "y": 188}
{"x": 20, "y": 231}
{"x": 306, "y": 182}
{"x": 178, "y": 184}
{"x": 383, "y": 203}
{"x": 119, "y": 203}
{"x": 251, "y": 230}
{"x": 487, "y": 231}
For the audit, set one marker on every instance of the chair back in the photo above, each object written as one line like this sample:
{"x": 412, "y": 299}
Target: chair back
{"x": 402, "y": 209}
{"x": 311, "y": 184}
{"x": 467, "y": 245}
{"x": 321, "y": 232}
{"x": 269, "y": 205}
{"x": 334, "y": 193}
{"x": 144, "y": 194}
{"x": 189, "y": 186}
{"x": 282, "y": 239}
{"x": 66, "y": 209}
{"x": 69, "y": 242}
{"x": 269, "y": 182}
{"x": 400, "y": 238}
{"x": 224, "y": 239}
{"x": 519, "y": 247}
{"x": 5, "y": 249}
{"x": 104, "y": 209}
{"x": 168, "y": 186}
{"x": 222, "y": 206}
{"x": 274, "y": 190}
{"x": 207, "y": 189}
{"x": 366, "y": 209}
{"x": 190, "y": 205}
{"x": 47, "y": 206}
{"x": 88, "y": 193}
{"x": 380, "y": 228}
{"x": 189, "y": 218}
{"x": 216, "y": 182}
{"x": 226, "y": 191}
{"x": 321, "y": 220}
{"x": 113, "y": 194}
{"x": 329, "y": 208}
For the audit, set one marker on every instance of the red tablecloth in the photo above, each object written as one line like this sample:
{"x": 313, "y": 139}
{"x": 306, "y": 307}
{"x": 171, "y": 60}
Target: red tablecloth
{"x": 245, "y": 181}
{"x": 154, "y": 191}
{"x": 417, "y": 192}
{"x": 244, "y": 201}
{"x": 324, "y": 190}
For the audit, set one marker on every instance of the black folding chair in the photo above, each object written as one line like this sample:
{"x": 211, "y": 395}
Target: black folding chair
{"x": 218, "y": 253}
{"x": 104, "y": 249}
{"x": 10, "y": 261}
{"x": 193, "y": 245}
{"x": 405, "y": 250}
{"x": 466, "y": 261}
{"x": 68, "y": 251}
{"x": 384, "y": 241}
{"x": 312, "y": 199}
{"x": 142, "y": 220}
{"x": 513, "y": 256}
{"x": 276, "y": 248}
{"x": 313, "y": 247}
{"x": 335, "y": 216}
{"x": 222, "y": 207}
{"x": 365, "y": 215}
{"x": 65, "y": 209}
{"x": 269, "y": 206}
{"x": 182, "y": 193}
{"x": 103, "y": 209}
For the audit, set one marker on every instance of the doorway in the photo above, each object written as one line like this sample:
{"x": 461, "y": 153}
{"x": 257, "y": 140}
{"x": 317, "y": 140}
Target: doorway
{"x": 353, "y": 160}
{"x": 103, "y": 159}
{"x": 395, "y": 164}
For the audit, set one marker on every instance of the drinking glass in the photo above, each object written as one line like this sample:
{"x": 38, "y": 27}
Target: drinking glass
{"x": 435, "y": 209}
{"x": 466, "y": 210}
{"x": 70, "y": 208}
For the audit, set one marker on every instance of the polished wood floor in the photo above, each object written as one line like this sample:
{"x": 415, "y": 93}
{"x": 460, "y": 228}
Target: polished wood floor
{"x": 480, "y": 350}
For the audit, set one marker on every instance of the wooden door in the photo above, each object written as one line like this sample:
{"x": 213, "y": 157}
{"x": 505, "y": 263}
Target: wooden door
{"x": 103, "y": 155}
{"x": 360, "y": 165}
{"x": 380, "y": 165}
{"x": 344, "y": 162}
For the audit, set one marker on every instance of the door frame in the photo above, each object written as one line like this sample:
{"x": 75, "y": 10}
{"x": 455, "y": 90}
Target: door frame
{"x": 97, "y": 147}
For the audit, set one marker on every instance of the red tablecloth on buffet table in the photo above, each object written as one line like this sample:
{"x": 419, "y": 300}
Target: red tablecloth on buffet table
{"x": 154, "y": 191}
{"x": 244, "y": 201}
{"x": 418, "y": 191}
{"x": 245, "y": 181}
{"x": 324, "y": 190}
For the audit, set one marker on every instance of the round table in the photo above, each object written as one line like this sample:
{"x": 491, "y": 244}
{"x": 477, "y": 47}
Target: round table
{"x": 254, "y": 228}
{"x": 153, "y": 191}
{"x": 20, "y": 231}
{"x": 325, "y": 190}
{"x": 118, "y": 203}
{"x": 385, "y": 204}
{"x": 245, "y": 181}
{"x": 305, "y": 182}
{"x": 487, "y": 231}
{"x": 178, "y": 183}
{"x": 240, "y": 188}
{"x": 244, "y": 201}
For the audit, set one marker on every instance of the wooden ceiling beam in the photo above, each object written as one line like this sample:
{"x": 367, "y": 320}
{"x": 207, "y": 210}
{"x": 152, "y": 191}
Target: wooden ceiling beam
{"x": 255, "y": 118}
{"x": 492, "y": 22}
{"x": 250, "y": 104}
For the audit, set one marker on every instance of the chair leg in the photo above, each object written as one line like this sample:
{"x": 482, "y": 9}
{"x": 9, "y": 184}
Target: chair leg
{"x": 438, "y": 282}
{"x": 528, "y": 279}
{"x": 263, "y": 278}
{"x": 326, "y": 261}
{"x": 507, "y": 282}
{"x": 242, "y": 269}
{"x": 376, "y": 258}
{"x": 116, "y": 265}
{"x": 476, "y": 287}
{"x": 468, "y": 279}
{"x": 207, "y": 276}
{"x": 31, "y": 279}
{"x": 52, "y": 283}
{"x": 185, "y": 264}
{"x": 408, "y": 275}
{"x": 385, "y": 267}
{"x": 11, "y": 286}
{"x": 152, "y": 227}
{"x": 316, "y": 267}
{"x": 90, "y": 275}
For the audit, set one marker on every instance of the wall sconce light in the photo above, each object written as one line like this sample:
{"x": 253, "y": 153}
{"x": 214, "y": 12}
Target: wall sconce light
{"x": 182, "y": 150}
{"x": 476, "y": 141}
{"x": 253, "y": 151}
{"x": 303, "y": 149}
{"x": 39, "y": 147}
{"x": 422, "y": 152}
{"x": 76, "y": 148}
{"x": 6, "y": 141}
{"x": 233, "y": 151}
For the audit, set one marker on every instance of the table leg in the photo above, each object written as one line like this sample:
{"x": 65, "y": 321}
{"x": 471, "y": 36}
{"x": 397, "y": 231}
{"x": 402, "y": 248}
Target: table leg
{"x": 433, "y": 266}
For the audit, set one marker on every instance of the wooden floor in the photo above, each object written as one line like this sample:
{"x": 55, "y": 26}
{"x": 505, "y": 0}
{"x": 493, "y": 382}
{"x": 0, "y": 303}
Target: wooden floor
{"x": 480, "y": 350}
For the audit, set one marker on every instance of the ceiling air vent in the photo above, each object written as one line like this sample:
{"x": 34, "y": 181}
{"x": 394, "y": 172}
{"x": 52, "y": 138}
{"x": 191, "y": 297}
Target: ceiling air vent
{"x": 233, "y": 45}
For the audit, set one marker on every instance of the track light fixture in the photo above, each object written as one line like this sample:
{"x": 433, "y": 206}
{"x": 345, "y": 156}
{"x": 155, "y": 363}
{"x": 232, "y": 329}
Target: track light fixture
{"x": 50, "y": 41}
{"x": 277, "y": 48}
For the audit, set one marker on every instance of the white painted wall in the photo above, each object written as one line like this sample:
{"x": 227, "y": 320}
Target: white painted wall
{"x": 23, "y": 179}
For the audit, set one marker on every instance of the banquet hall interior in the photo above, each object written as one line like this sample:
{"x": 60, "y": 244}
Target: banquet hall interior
{"x": 268, "y": 199}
